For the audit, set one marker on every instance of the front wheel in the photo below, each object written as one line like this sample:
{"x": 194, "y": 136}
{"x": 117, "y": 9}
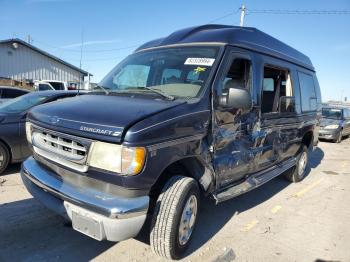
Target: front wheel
{"x": 4, "y": 157}
{"x": 175, "y": 217}
{"x": 298, "y": 172}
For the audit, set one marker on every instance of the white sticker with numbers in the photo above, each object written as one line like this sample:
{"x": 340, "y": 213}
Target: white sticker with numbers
{"x": 199, "y": 61}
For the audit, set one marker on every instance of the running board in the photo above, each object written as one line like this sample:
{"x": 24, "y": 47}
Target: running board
{"x": 253, "y": 181}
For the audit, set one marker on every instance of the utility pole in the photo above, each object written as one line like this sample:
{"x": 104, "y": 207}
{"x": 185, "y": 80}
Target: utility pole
{"x": 29, "y": 39}
{"x": 243, "y": 10}
{"x": 81, "y": 47}
{"x": 81, "y": 82}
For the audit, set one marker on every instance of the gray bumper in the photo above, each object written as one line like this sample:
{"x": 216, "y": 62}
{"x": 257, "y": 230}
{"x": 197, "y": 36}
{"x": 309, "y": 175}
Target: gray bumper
{"x": 328, "y": 134}
{"x": 94, "y": 213}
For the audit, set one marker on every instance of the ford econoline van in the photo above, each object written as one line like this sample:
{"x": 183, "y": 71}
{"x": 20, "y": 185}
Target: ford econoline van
{"x": 215, "y": 110}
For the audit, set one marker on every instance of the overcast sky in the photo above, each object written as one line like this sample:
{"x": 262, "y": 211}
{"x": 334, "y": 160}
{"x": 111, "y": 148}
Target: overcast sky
{"x": 113, "y": 29}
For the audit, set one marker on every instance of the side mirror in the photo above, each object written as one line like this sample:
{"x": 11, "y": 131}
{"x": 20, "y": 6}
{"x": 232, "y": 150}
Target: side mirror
{"x": 236, "y": 98}
{"x": 287, "y": 104}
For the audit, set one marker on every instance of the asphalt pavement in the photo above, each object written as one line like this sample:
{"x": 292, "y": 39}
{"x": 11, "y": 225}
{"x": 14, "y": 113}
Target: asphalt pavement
{"x": 280, "y": 221}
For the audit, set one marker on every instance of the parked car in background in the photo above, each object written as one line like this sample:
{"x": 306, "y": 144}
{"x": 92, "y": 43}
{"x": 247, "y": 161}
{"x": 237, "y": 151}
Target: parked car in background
{"x": 7, "y": 92}
{"x": 214, "y": 109}
{"x": 13, "y": 144}
{"x": 335, "y": 123}
{"x": 44, "y": 85}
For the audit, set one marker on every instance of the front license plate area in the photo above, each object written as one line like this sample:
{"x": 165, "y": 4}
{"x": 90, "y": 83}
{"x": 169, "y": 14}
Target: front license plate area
{"x": 87, "y": 225}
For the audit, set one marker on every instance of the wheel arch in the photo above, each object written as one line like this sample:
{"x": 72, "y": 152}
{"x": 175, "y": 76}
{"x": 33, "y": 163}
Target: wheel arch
{"x": 307, "y": 139}
{"x": 191, "y": 166}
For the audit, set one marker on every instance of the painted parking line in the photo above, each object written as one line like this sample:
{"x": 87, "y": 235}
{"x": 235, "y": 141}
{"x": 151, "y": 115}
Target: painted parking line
{"x": 250, "y": 225}
{"x": 275, "y": 209}
{"x": 308, "y": 188}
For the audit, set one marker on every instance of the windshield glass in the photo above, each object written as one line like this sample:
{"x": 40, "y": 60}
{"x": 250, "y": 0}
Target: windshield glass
{"x": 21, "y": 103}
{"x": 333, "y": 113}
{"x": 173, "y": 72}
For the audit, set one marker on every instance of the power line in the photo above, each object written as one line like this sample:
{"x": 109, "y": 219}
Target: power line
{"x": 89, "y": 50}
{"x": 298, "y": 12}
{"x": 224, "y": 16}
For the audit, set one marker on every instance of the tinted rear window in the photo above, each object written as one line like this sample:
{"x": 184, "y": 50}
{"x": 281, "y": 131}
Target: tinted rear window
{"x": 308, "y": 92}
{"x": 11, "y": 93}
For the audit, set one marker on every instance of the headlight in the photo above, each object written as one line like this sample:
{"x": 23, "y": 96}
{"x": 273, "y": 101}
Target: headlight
{"x": 331, "y": 127}
{"x": 29, "y": 132}
{"x": 117, "y": 158}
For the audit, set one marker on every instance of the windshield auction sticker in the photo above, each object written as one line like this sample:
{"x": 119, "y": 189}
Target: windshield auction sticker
{"x": 199, "y": 61}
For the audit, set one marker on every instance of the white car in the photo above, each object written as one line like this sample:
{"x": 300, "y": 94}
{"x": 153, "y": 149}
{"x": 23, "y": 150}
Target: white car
{"x": 45, "y": 85}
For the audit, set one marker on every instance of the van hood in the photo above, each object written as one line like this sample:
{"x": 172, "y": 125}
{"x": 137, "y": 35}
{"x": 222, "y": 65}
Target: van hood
{"x": 97, "y": 117}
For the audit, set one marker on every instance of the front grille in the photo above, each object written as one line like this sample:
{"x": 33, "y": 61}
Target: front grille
{"x": 61, "y": 148}
{"x": 59, "y": 145}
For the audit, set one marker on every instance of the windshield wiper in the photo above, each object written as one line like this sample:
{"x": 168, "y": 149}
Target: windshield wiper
{"x": 104, "y": 89}
{"x": 157, "y": 91}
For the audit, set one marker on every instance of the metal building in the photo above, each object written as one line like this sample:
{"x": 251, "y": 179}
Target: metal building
{"x": 22, "y": 61}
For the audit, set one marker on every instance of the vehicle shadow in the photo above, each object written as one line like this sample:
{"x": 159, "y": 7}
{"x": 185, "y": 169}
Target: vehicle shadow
{"x": 30, "y": 232}
{"x": 11, "y": 169}
{"x": 315, "y": 158}
{"x": 214, "y": 217}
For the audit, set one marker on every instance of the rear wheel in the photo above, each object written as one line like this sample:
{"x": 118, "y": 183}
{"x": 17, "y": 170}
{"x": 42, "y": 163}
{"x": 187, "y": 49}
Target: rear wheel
{"x": 298, "y": 172}
{"x": 4, "y": 157}
{"x": 175, "y": 217}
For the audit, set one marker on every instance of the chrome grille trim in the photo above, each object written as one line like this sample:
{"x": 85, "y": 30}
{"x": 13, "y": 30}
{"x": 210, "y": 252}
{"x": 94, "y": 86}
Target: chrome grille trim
{"x": 53, "y": 157}
{"x": 64, "y": 149}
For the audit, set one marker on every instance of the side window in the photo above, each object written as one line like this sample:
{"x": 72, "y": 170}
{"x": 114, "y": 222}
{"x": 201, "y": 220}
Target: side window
{"x": 308, "y": 93}
{"x": 239, "y": 75}
{"x": 44, "y": 87}
{"x": 346, "y": 113}
{"x": 57, "y": 85}
{"x": 277, "y": 91}
{"x": 8, "y": 93}
{"x": 132, "y": 76}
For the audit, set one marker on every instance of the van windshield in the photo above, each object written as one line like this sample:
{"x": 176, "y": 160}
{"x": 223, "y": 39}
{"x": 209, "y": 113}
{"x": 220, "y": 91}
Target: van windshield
{"x": 332, "y": 113}
{"x": 179, "y": 72}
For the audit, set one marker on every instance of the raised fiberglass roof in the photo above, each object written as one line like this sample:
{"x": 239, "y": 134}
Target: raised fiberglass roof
{"x": 245, "y": 37}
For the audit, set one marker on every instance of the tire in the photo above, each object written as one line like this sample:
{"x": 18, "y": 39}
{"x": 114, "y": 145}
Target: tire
{"x": 298, "y": 172}
{"x": 4, "y": 157}
{"x": 339, "y": 138}
{"x": 178, "y": 193}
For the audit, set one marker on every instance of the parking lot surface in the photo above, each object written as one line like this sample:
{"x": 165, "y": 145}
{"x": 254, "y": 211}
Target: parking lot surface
{"x": 280, "y": 221}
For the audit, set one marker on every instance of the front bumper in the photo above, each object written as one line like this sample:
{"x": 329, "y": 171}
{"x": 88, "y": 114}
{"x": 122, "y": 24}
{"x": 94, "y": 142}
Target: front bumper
{"x": 328, "y": 134}
{"x": 97, "y": 214}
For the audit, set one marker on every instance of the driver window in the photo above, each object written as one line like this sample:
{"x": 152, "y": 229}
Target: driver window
{"x": 239, "y": 75}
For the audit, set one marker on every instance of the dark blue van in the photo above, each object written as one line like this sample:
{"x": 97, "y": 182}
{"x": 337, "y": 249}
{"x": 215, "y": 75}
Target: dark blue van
{"x": 213, "y": 109}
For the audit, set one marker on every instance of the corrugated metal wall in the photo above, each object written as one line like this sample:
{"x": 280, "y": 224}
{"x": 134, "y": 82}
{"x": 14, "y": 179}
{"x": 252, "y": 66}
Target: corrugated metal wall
{"x": 25, "y": 63}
